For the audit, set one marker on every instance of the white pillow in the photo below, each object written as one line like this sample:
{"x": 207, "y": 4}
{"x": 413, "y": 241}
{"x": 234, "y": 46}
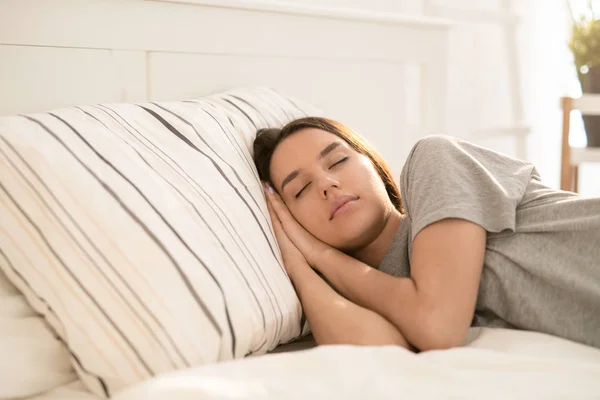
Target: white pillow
{"x": 143, "y": 233}
{"x": 33, "y": 359}
{"x": 249, "y": 109}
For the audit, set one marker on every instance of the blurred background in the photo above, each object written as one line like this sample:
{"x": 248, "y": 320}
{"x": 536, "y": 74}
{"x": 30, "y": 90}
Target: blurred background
{"x": 510, "y": 64}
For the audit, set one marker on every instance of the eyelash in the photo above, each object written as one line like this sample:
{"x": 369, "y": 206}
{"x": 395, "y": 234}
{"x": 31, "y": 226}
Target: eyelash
{"x": 337, "y": 163}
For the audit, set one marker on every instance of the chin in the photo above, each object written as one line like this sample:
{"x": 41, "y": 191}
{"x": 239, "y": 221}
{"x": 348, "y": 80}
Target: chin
{"x": 358, "y": 232}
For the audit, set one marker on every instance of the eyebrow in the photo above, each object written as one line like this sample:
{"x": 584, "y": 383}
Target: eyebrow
{"x": 328, "y": 149}
{"x": 294, "y": 174}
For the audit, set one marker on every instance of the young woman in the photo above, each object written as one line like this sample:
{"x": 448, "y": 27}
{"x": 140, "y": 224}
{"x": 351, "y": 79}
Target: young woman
{"x": 472, "y": 237}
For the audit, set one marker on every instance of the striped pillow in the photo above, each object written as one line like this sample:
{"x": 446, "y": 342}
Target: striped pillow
{"x": 141, "y": 233}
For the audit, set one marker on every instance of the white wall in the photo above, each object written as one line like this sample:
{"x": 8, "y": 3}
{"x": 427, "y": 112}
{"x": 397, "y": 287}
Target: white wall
{"x": 403, "y": 6}
{"x": 479, "y": 85}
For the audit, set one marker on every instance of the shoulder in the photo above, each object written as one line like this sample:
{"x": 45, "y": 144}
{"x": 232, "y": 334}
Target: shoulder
{"x": 443, "y": 151}
{"x": 436, "y": 140}
{"x": 434, "y": 143}
{"x": 431, "y": 151}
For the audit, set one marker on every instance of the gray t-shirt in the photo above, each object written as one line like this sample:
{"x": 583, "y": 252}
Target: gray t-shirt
{"x": 542, "y": 261}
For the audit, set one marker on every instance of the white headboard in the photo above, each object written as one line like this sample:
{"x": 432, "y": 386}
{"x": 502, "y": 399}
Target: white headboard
{"x": 384, "y": 75}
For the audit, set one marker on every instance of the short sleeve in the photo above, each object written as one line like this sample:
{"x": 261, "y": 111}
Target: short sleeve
{"x": 445, "y": 177}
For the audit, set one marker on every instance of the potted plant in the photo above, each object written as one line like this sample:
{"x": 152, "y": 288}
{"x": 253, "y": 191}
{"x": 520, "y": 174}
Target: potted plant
{"x": 585, "y": 46}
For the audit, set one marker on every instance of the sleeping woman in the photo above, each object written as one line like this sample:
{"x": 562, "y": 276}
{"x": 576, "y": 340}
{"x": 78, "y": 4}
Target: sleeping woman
{"x": 471, "y": 237}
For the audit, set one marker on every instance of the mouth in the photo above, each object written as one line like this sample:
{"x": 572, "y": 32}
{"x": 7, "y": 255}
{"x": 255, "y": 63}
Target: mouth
{"x": 341, "y": 204}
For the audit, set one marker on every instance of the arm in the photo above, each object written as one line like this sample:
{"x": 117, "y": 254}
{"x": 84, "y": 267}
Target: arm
{"x": 333, "y": 319}
{"x": 336, "y": 320}
{"x": 434, "y": 307}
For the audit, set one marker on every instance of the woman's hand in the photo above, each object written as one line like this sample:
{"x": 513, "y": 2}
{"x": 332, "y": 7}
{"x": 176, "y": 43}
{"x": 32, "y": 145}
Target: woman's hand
{"x": 292, "y": 257}
{"x": 309, "y": 246}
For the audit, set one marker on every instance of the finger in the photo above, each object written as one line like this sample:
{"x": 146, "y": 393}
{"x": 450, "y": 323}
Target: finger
{"x": 277, "y": 228}
{"x": 283, "y": 240}
{"x": 268, "y": 197}
{"x": 271, "y": 200}
{"x": 292, "y": 229}
{"x": 279, "y": 206}
{"x": 275, "y": 220}
{"x": 272, "y": 211}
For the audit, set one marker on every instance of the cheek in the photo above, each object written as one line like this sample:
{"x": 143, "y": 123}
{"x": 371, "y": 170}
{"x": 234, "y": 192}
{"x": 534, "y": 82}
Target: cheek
{"x": 368, "y": 178}
{"x": 304, "y": 212}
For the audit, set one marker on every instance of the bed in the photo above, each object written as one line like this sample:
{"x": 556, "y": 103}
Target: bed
{"x": 193, "y": 68}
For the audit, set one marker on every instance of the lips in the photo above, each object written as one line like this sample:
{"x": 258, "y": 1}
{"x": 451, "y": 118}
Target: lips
{"x": 339, "y": 202}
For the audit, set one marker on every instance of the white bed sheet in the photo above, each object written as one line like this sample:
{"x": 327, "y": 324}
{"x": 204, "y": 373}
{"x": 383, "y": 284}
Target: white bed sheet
{"x": 496, "y": 363}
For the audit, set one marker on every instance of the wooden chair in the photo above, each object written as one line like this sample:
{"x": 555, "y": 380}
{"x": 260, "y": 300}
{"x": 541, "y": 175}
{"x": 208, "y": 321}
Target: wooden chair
{"x": 572, "y": 157}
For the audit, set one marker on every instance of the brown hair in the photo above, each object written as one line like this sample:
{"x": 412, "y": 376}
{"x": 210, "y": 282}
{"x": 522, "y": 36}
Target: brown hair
{"x": 268, "y": 139}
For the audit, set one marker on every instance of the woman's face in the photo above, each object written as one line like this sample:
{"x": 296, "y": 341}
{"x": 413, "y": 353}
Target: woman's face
{"x": 331, "y": 190}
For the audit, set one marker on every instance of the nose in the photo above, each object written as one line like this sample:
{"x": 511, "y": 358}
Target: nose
{"x": 326, "y": 185}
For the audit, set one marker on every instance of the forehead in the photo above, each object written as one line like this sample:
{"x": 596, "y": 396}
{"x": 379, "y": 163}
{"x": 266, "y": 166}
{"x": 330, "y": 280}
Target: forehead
{"x": 309, "y": 137}
{"x": 300, "y": 148}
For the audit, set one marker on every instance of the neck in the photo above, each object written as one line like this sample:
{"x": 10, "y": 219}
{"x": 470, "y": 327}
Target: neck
{"x": 374, "y": 253}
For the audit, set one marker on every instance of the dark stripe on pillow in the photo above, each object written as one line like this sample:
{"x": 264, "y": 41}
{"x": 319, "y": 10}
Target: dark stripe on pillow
{"x": 199, "y": 214}
{"x": 234, "y": 143}
{"x": 303, "y": 315}
{"x": 228, "y": 134}
{"x": 137, "y": 220}
{"x": 251, "y": 106}
{"x": 100, "y": 380}
{"x": 243, "y": 154}
{"x": 270, "y": 298}
{"x": 90, "y": 258}
{"x": 183, "y": 276}
{"x": 242, "y": 111}
{"x": 218, "y": 168}
{"x": 273, "y": 104}
{"x": 252, "y": 167}
{"x": 204, "y": 194}
{"x": 76, "y": 280}
{"x": 289, "y": 116}
{"x": 289, "y": 100}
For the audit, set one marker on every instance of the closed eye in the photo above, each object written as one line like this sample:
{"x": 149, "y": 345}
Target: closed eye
{"x": 302, "y": 190}
{"x": 308, "y": 184}
{"x": 339, "y": 162}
